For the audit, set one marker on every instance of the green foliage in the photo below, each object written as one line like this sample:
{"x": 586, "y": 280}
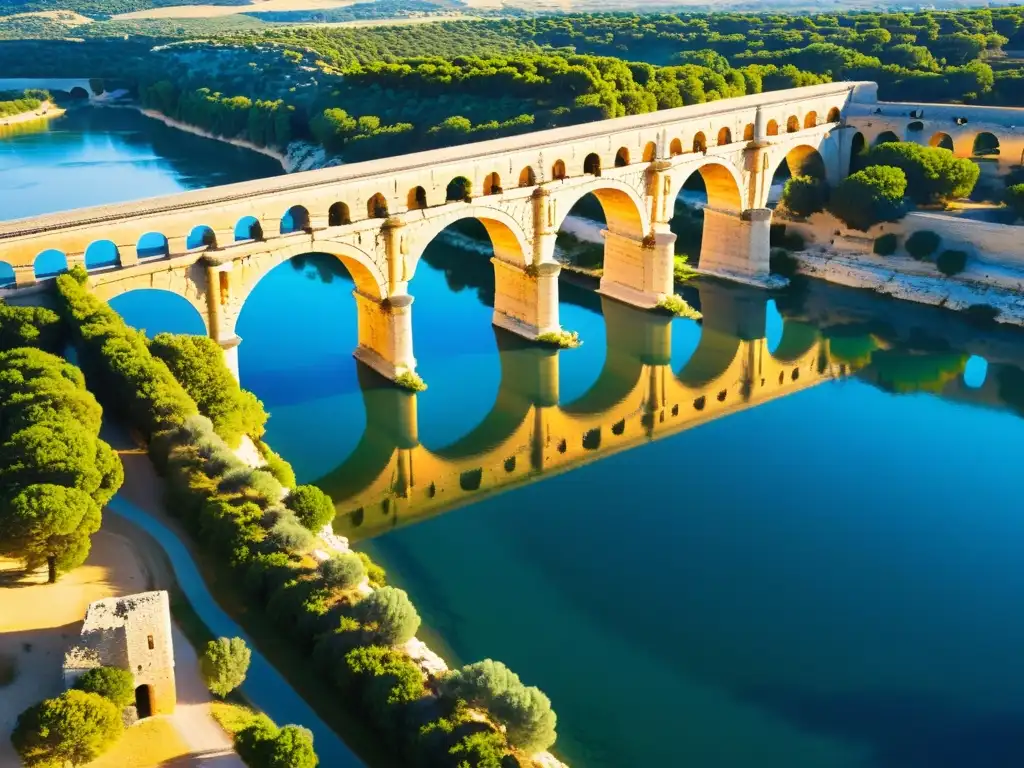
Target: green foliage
{"x": 1015, "y": 199}
{"x": 312, "y": 506}
{"x": 76, "y": 728}
{"x": 291, "y": 535}
{"x": 870, "y": 196}
{"x": 922, "y": 244}
{"x": 30, "y": 327}
{"x": 261, "y": 744}
{"x": 224, "y": 664}
{"x": 387, "y": 680}
{"x": 678, "y": 306}
{"x": 375, "y": 573}
{"x": 112, "y": 683}
{"x": 951, "y": 262}
{"x": 524, "y": 711}
{"x": 804, "y": 195}
{"x": 681, "y": 269}
{"x": 277, "y": 466}
{"x": 388, "y": 616}
{"x": 411, "y": 380}
{"x": 886, "y": 245}
{"x": 197, "y": 362}
{"x": 933, "y": 174}
{"x": 252, "y": 484}
{"x": 17, "y": 103}
{"x": 343, "y": 570}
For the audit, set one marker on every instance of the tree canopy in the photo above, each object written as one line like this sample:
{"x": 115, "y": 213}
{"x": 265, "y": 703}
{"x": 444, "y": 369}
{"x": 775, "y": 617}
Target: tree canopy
{"x": 870, "y": 196}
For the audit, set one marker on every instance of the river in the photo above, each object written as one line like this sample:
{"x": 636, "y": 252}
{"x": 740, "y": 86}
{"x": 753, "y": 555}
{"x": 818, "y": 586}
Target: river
{"x": 785, "y": 535}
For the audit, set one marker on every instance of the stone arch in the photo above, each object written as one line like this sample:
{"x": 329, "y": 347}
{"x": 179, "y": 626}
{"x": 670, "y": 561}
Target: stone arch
{"x": 811, "y": 119}
{"x": 201, "y": 236}
{"x": 885, "y": 137}
{"x": 700, "y": 142}
{"x": 195, "y": 320}
{"x": 915, "y": 126}
{"x": 492, "y": 184}
{"x": 624, "y": 210}
{"x": 721, "y": 180}
{"x": 724, "y": 136}
{"x": 508, "y": 240}
{"x": 558, "y": 170}
{"x": 7, "y": 278}
{"x": 417, "y": 199}
{"x": 802, "y": 160}
{"x": 338, "y": 215}
{"x": 527, "y": 178}
{"x": 377, "y": 207}
{"x": 941, "y": 140}
{"x": 101, "y": 254}
{"x": 675, "y": 148}
{"x": 592, "y": 164}
{"x": 152, "y": 245}
{"x": 797, "y": 340}
{"x": 772, "y": 129}
{"x": 834, "y": 115}
{"x": 986, "y": 144}
{"x": 49, "y": 263}
{"x": 622, "y": 157}
{"x": 248, "y": 228}
{"x": 792, "y": 124}
{"x": 650, "y": 152}
{"x": 714, "y": 355}
{"x": 459, "y": 190}
{"x": 748, "y": 132}
{"x": 295, "y": 219}
{"x": 144, "y": 701}
{"x": 78, "y": 92}
{"x": 858, "y": 144}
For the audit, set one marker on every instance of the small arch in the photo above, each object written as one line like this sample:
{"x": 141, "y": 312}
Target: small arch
{"x": 748, "y": 132}
{"x": 858, "y": 144}
{"x": 675, "y": 148}
{"x": 295, "y": 219}
{"x": 622, "y": 158}
{"x": 417, "y": 199}
{"x": 592, "y": 439}
{"x": 724, "y": 137}
{"x": 377, "y": 207}
{"x": 592, "y": 164}
{"x": 471, "y": 479}
{"x": 811, "y": 119}
{"x": 805, "y": 160}
{"x": 248, "y": 228}
{"x": 915, "y": 127}
{"x": 492, "y": 184}
{"x": 986, "y": 145}
{"x": 619, "y": 427}
{"x": 772, "y": 129}
{"x": 834, "y": 115}
{"x": 698, "y": 403}
{"x": 700, "y": 142}
{"x": 144, "y": 701}
{"x": 157, "y": 310}
{"x": 101, "y": 254}
{"x": 975, "y": 372}
{"x": 7, "y": 278}
{"x": 49, "y": 263}
{"x": 510, "y": 464}
{"x": 650, "y": 152}
{"x": 338, "y": 215}
{"x": 460, "y": 190}
{"x": 885, "y": 137}
{"x": 527, "y": 178}
{"x": 152, "y": 245}
{"x": 792, "y": 124}
{"x": 558, "y": 170}
{"x": 201, "y": 237}
{"x": 941, "y": 140}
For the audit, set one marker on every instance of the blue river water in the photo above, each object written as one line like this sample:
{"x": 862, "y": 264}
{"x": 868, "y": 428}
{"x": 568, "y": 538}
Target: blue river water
{"x": 787, "y": 535}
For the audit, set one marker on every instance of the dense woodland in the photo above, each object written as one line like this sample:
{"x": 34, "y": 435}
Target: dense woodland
{"x": 370, "y": 92}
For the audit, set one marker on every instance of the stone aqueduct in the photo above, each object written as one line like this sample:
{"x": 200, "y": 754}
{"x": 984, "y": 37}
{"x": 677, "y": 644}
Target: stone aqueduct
{"x": 378, "y": 217}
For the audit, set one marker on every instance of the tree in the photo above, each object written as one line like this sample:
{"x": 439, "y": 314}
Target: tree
{"x": 292, "y": 747}
{"x": 933, "y": 174}
{"x": 30, "y": 327}
{"x": 224, "y": 664}
{"x": 804, "y": 195}
{"x": 869, "y": 196}
{"x": 46, "y": 523}
{"x": 1015, "y": 199}
{"x": 117, "y": 685}
{"x": 951, "y": 262}
{"x": 313, "y": 507}
{"x": 922, "y": 244}
{"x": 76, "y": 727}
{"x": 343, "y": 570}
{"x": 388, "y": 616}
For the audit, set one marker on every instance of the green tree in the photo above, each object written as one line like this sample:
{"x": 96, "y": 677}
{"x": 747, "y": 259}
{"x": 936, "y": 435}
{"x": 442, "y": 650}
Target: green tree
{"x": 388, "y": 616}
{"x": 343, "y": 570}
{"x": 313, "y": 507}
{"x": 291, "y": 747}
{"x": 804, "y": 195}
{"x": 76, "y": 728}
{"x": 867, "y": 197}
{"x": 1015, "y": 199}
{"x": 112, "y": 683}
{"x": 922, "y": 244}
{"x": 933, "y": 174}
{"x": 30, "y": 327}
{"x": 224, "y": 664}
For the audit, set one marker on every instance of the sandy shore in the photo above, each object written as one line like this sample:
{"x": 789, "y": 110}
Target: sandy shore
{"x": 209, "y": 11}
{"x": 46, "y": 111}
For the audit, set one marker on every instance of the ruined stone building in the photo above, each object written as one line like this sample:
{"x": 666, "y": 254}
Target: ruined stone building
{"x": 134, "y": 633}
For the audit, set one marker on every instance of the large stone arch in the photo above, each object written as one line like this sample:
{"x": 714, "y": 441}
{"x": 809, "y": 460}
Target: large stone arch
{"x": 507, "y": 236}
{"x": 624, "y": 208}
{"x": 188, "y": 283}
{"x": 722, "y": 180}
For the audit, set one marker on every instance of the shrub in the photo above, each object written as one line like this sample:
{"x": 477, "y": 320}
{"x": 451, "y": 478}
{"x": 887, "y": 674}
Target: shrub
{"x": 886, "y": 245}
{"x": 1015, "y": 200}
{"x": 782, "y": 262}
{"x": 343, "y": 570}
{"x": 76, "y": 727}
{"x": 933, "y": 174}
{"x": 375, "y": 573}
{"x": 681, "y": 269}
{"x": 312, "y": 506}
{"x": 30, "y": 327}
{"x": 224, "y": 664}
{"x": 867, "y": 197}
{"x": 277, "y": 466}
{"x": 252, "y": 484}
{"x": 288, "y": 533}
{"x": 388, "y": 616}
{"x": 922, "y": 244}
{"x": 387, "y": 678}
{"x": 261, "y": 744}
{"x": 804, "y": 195}
{"x": 112, "y": 683}
{"x": 951, "y": 262}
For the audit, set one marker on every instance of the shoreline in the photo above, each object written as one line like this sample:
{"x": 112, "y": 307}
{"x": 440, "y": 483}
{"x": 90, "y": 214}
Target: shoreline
{"x": 46, "y": 111}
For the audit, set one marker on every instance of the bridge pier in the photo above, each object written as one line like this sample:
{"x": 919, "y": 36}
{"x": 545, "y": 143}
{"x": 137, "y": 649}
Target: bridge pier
{"x": 736, "y": 246}
{"x": 526, "y": 300}
{"x": 638, "y": 272}
{"x": 385, "y": 334}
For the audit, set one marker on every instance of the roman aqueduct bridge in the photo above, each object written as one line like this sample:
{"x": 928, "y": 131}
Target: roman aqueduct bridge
{"x": 213, "y": 246}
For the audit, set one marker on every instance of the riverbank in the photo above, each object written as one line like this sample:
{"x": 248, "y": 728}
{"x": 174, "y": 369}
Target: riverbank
{"x": 45, "y": 111}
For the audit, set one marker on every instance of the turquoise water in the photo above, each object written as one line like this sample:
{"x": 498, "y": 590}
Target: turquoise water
{"x": 701, "y": 564}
